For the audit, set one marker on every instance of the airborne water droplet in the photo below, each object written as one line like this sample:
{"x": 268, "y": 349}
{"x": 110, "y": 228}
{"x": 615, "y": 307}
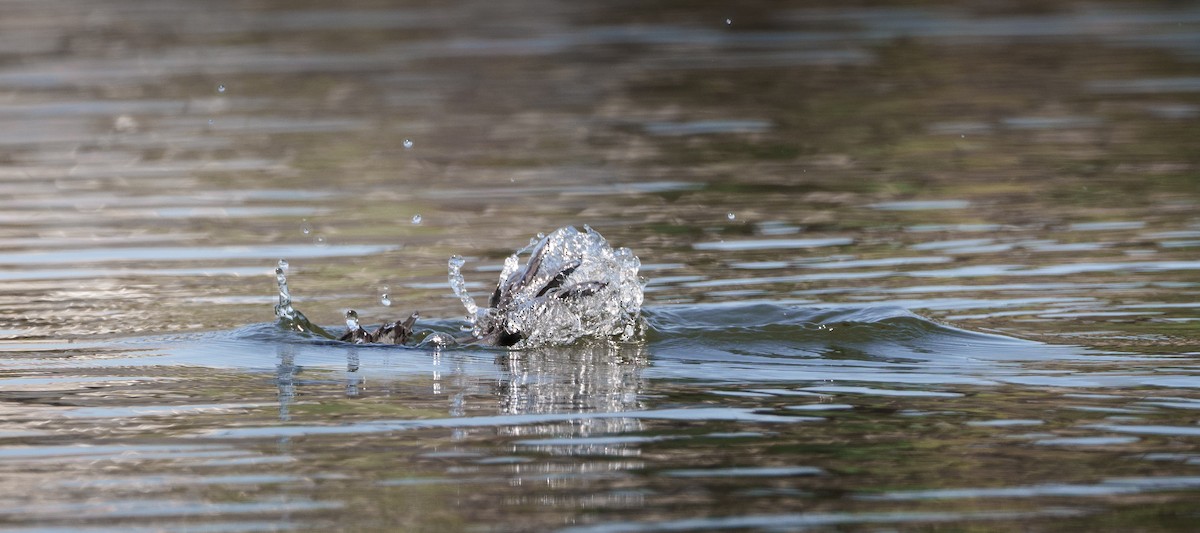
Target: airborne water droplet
{"x": 352, "y": 319}
{"x": 220, "y": 88}
{"x": 416, "y": 219}
{"x": 304, "y": 227}
{"x": 283, "y": 265}
{"x": 408, "y": 143}
{"x": 383, "y": 298}
{"x": 319, "y": 241}
{"x": 728, "y": 22}
{"x": 731, "y": 216}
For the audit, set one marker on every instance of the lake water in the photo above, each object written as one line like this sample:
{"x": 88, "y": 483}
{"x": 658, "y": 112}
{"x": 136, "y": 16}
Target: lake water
{"x": 908, "y": 267}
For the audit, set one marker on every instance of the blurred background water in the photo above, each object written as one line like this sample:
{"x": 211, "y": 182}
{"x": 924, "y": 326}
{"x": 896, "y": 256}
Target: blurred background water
{"x": 910, "y": 266}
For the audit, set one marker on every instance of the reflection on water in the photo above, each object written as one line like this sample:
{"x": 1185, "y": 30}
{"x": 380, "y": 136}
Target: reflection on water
{"x": 910, "y": 266}
{"x": 598, "y": 378}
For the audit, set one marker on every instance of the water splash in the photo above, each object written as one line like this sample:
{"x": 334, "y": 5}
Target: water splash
{"x": 459, "y": 286}
{"x": 354, "y": 331}
{"x": 511, "y": 263}
{"x": 573, "y": 285}
{"x": 283, "y": 310}
{"x": 288, "y": 317}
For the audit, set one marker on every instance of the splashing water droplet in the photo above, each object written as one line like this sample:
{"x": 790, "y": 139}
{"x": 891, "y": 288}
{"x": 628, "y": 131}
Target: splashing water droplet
{"x": 211, "y": 122}
{"x": 319, "y": 241}
{"x": 289, "y": 317}
{"x": 459, "y": 286}
{"x": 731, "y": 216}
{"x": 408, "y": 143}
{"x": 352, "y": 319}
{"x": 416, "y": 218}
{"x": 383, "y": 299}
{"x": 304, "y": 227}
{"x": 220, "y": 88}
{"x": 728, "y": 22}
{"x": 284, "y": 309}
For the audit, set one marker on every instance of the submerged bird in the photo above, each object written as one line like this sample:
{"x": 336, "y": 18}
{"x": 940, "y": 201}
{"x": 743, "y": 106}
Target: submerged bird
{"x": 573, "y": 285}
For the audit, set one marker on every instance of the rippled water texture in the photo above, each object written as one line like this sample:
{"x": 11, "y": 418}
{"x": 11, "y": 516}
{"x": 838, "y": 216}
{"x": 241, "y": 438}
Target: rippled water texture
{"x": 907, "y": 267}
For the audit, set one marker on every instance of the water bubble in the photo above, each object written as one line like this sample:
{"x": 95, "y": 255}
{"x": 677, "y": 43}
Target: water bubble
{"x": 416, "y": 218}
{"x": 438, "y": 340}
{"x": 408, "y": 143}
{"x": 731, "y": 216}
{"x": 220, "y": 88}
